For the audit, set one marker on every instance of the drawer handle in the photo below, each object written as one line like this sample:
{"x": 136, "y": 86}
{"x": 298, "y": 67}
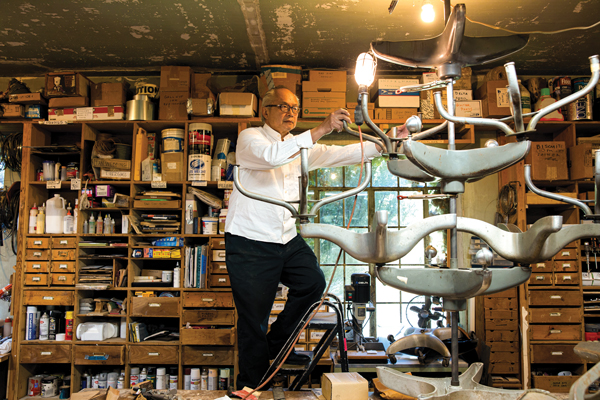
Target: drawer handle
{"x": 555, "y": 314}
{"x": 64, "y": 242}
{"x": 554, "y": 297}
{"x": 48, "y": 298}
{"x": 565, "y": 253}
{"x": 37, "y": 242}
{"x": 45, "y": 353}
{"x": 62, "y": 278}
{"x": 555, "y": 331}
{"x": 557, "y": 353}
{"x": 97, "y": 357}
{"x": 540, "y": 265}
{"x": 221, "y": 267}
{"x": 566, "y": 265}
{"x": 540, "y": 278}
{"x": 567, "y": 278}
{"x": 154, "y": 354}
{"x": 37, "y": 253}
{"x": 63, "y": 266}
{"x": 154, "y": 305}
{"x": 207, "y": 355}
{"x": 208, "y": 300}
{"x": 36, "y": 266}
{"x": 222, "y": 280}
{"x": 36, "y": 279}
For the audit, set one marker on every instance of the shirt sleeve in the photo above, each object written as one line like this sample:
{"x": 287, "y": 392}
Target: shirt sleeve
{"x": 256, "y": 151}
{"x": 322, "y": 156}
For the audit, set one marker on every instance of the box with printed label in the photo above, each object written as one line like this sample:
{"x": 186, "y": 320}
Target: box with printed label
{"x": 326, "y": 76}
{"x": 13, "y": 110}
{"x": 27, "y": 98}
{"x": 237, "y": 104}
{"x": 386, "y": 93}
{"x": 172, "y": 167}
{"x": 323, "y": 99}
{"x": 324, "y": 86}
{"x": 288, "y": 76}
{"x": 468, "y": 109}
{"x": 399, "y": 113}
{"x": 494, "y": 98}
{"x": 36, "y": 111}
{"x": 59, "y": 84}
{"x": 317, "y": 112}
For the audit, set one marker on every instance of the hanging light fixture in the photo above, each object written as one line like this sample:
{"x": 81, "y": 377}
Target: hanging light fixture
{"x": 427, "y": 12}
{"x": 365, "y": 69}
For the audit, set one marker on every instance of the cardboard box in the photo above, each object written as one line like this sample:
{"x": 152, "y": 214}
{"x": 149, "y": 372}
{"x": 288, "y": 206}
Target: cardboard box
{"x": 111, "y": 163}
{"x": 494, "y": 98}
{"x": 200, "y": 89}
{"x": 86, "y": 113}
{"x": 115, "y": 175}
{"x": 60, "y": 84}
{"x": 13, "y": 110}
{"x": 388, "y": 114}
{"x": 175, "y": 79}
{"x": 108, "y": 94}
{"x": 288, "y": 76}
{"x": 237, "y": 104}
{"x": 323, "y": 99}
{"x": 327, "y": 76}
{"x": 582, "y": 161}
{"x": 317, "y": 112}
{"x": 325, "y": 86}
{"x": 344, "y": 386}
{"x": 36, "y": 111}
{"x": 426, "y": 97}
{"x": 172, "y": 167}
{"x": 173, "y": 106}
{"x": 385, "y": 93}
{"x": 28, "y": 98}
{"x": 554, "y": 384}
{"x": 468, "y": 109}
{"x": 201, "y": 107}
{"x": 351, "y": 107}
{"x": 69, "y": 102}
{"x": 548, "y": 161}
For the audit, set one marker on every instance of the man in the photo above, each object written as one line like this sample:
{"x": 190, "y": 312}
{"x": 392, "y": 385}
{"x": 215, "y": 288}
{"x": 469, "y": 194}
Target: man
{"x": 261, "y": 242}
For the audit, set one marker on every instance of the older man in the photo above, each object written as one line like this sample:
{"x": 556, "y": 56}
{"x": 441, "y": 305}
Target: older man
{"x": 262, "y": 246}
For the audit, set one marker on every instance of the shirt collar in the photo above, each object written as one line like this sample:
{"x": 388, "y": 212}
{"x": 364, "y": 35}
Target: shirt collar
{"x": 273, "y": 134}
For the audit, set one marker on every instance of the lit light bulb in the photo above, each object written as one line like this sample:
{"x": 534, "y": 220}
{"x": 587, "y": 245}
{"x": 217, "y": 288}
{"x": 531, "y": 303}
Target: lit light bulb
{"x": 427, "y": 13}
{"x": 365, "y": 69}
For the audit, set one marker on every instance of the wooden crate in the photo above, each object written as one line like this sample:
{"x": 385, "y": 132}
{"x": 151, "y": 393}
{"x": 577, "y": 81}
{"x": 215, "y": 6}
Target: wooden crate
{"x": 554, "y": 384}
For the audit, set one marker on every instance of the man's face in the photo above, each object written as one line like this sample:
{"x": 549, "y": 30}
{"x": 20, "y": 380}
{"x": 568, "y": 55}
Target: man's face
{"x": 277, "y": 119}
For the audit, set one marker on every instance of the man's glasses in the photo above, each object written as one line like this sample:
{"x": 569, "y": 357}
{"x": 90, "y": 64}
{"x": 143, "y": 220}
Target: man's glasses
{"x": 285, "y": 108}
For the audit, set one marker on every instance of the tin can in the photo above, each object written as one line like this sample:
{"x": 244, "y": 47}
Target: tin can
{"x": 581, "y": 109}
{"x": 34, "y": 386}
{"x": 72, "y": 170}
{"x": 172, "y": 140}
{"x": 560, "y": 87}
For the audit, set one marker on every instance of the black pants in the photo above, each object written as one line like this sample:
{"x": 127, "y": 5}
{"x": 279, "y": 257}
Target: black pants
{"x": 255, "y": 269}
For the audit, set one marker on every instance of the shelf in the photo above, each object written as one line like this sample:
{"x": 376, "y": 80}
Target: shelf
{"x": 103, "y": 316}
{"x": 155, "y": 343}
{"x": 107, "y": 341}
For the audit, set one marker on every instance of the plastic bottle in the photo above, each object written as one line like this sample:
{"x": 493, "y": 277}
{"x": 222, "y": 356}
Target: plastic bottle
{"x": 112, "y": 226}
{"x": 75, "y": 215}
{"x": 544, "y": 101}
{"x": 85, "y": 227}
{"x": 92, "y": 224}
{"x": 143, "y": 375}
{"x": 33, "y": 218}
{"x": 204, "y": 380}
{"x": 44, "y": 323}
{"x": 41, "y": 220}
{"x": 68, "y": 221}
{"x": 107, "y": 224}
{"x": 55, "y": 214}
{"x": 195, "y": 379}
{"x": 121, "y": 382}
{"x": 84, "y": 380}
{"x": 525, "y": 99}
{"x": 99, "y": 224}
{"x": 30, "y": 325}
{"x": 176, "y": 276}
{"x": 161, "y": 378}
{"x": 69, "y": 325}
{"x": 7, "y": 330}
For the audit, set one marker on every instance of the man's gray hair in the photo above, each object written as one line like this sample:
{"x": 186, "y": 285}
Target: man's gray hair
{"x": 270, "y": 98}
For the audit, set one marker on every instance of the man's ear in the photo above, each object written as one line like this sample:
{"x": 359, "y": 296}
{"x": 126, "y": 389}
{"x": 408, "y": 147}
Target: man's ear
{"x": 265, "y": 112}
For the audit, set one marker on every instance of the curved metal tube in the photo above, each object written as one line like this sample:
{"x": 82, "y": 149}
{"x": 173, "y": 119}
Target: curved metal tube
{"x": 421, "y": 87}
{"x": 260, "y": 197}
{"x": 367, "y": 178}
{"x": 422, "y": 339}
{"x": 365, "y": 109}
{"x": 365, "y": 136}
{"x": 595, "y": 68}
{"x": 515, "y": 96}
{"x": 557, "y": 241}
{"x": 303, "y": 206}
{"x": 473, "y": 121}
{"x": 554, "y": 196}
{"x": 431, "y": 131}
{"x": 522, "y": 248}
{"x": 506, "y": 278}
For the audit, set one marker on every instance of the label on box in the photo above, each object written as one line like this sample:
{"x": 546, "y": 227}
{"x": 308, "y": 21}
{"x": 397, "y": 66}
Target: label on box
{"x": 199, "y": 183}
{"x": 502, "y": 97}
{"x": 75, "y": 184}
{"x": 86, "y": 113}
{"x": 53, "y": 184}
{"x": 225, "y": 185}
{"x": 159, "y": 184}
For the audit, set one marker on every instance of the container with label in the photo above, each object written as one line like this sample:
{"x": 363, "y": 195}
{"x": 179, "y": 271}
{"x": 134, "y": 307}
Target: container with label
{"x": 199, "y": 167}
{"x": 172, "y": 140}
{"x": 222, "y": 219}
{"x": 210, "y": 225}
{"x": 581, "y": 109}
{"x": 200, "y": 141}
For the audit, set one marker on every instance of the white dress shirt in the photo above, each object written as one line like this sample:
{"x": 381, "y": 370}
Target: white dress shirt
{"x": 266, "y": 167}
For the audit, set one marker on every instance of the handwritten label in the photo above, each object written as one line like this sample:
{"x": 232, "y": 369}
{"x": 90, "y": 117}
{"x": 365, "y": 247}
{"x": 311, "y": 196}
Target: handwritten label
{"x": 54, "y": 122}
{"x": 154, "y": 305}
{"x": 86, "y": 113}
{"x": 158, "y": 184}
{"x": 199, "y": 183}
{"x": 48, "y": 298}
{"x": 154, "y": 354}
{"x": 75, "y": 184}
{"x": 225, "y": 185}
{"x": 53, "y": 184}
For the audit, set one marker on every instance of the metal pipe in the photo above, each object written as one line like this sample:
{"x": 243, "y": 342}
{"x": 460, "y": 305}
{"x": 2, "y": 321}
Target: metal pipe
{"x": 597, "y": 179}
{"x": 259, "y": 197}
{"x": 370, "y": 138}
{"x": 451, "y": 127}
{"x": 387, "y": 144}
{"x": 347, "y": 193}
{"x": 515, "y": 95}
{"x": 303, "y": 207}
{"x": 473, "y": 121}
{"x": 454, "y": 348}
{"x": 595, "y": 68}
{"x": 430, "y": 131}
{"x": 554, "y": 196}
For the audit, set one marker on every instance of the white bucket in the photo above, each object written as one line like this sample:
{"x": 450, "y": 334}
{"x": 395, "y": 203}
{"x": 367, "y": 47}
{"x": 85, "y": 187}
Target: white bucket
{"x": 172, "y": 140}
{"x": 210, "y": 225}
{"x": 199, "y": 167}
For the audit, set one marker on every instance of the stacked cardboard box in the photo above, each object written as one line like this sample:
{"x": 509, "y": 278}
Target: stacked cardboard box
{"x": 323, "y": 93}
{"x": 175, "y": 83}
{"x": 494, "y": 99}
{"x": 288, "y": 76}
{"x": 202, "y": 102}
{"x": 26, "y": 105}
{"x": 548, "y": 161}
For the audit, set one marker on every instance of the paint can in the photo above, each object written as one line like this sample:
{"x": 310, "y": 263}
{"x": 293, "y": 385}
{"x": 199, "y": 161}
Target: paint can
{"x": 34, "y": 385}
{"x": 213, "y": 379}
{"x": 581, "y": 109}
{"x": 199, "y": 167}
{"x": 560, "y": 87}
{"x": 172, "y": 140}
{"x": 210, "y": 225}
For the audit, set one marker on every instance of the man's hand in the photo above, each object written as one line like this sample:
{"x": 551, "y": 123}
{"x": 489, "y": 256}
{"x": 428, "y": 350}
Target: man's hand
{"x": 401, "y": 132}
{"x": 334, "y": 121}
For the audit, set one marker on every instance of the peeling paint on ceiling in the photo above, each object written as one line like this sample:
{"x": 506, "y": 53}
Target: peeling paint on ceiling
{"x": 130, "y": 35}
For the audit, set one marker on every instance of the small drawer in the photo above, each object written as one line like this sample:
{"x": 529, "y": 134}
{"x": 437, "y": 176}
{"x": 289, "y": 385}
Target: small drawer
{"x": 48, "y": 298}
{"x": 556, "y": 315}
{"x": 567, "y": 254}
{"x": 38, "y": 243}
{"x": 278, "y": 306}
{"x": 541, "y": 279}
{"x": 62, "y": 266}
{"x": 557, "y": 298}
{"x": 208, "y": 355}
{"x": 37, "y": 254}
{"x": 502, "y": 324}
{"x": 218, "y": 255}
{"x": 209, "y": 317}
{"x": 503, "y": 346}
{"x": 566, "y": 266}
{"x": 555, "y": 332}
{"x": 63, "y": 254}
{"x": 554, "y": 354}
{"x": 566, "y": 278}
{"x": 505, "y": 368}
{"x": 63, "y": 279}
{"x": 36, "y": 266}
{"x": 542, "y": 267}
{"x": 153, "y": 354}
{"x": 64, "y": 243}
{"x": 218, "y": 268}
{"x": 500, "y": 303}
{"x": 99, "y": 355}
{"x": 45, "y": 354}
{"x": 315, "y": 335}
{"x": 504, "y": 357}
{"x": 218, "y": 281}
{"x": 217, "y": 243}
{"x": 501, "y": 336}
{"x": 154, "y": 306}
{"x": 208, "y": 299}
{"x": 217, "y": 336}
{"x": 502, "y": 314}
{"x": 512, "y": 293}
{"x": 36, "y": 279}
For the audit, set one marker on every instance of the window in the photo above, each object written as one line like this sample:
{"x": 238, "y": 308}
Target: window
{"x": 390, "y": 316}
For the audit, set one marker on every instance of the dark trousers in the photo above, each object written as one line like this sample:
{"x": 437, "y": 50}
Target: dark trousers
{"x": 255, "y": 269}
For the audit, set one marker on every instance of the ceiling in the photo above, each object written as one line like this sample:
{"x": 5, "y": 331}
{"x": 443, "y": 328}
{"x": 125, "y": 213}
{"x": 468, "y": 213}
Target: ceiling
{"x": 39, "y": 36}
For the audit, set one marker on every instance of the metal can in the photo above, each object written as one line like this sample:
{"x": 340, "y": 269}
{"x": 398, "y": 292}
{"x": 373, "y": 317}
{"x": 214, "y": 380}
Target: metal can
{"x": 72, "y": 170}
{"x": 581, "y": 109}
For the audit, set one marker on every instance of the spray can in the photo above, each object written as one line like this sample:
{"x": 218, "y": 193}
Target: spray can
{"x": 134, "y": 377}
{"x": 204, "y": 379}
{"x": 187, "y": 378}
{"x": 69, "y": 325}
{"x": 581, "y": 109}
{"x": 161, "y": 378}
{"x": 195, "y": 379}
{"x": 44, "y": 325}
{"x": 213, "y": 378}
{"x": 30, "y": 329}
{"x": 223, "y": 378}
{"x": 173, "y": 378}
{"x": 176, "y": 276}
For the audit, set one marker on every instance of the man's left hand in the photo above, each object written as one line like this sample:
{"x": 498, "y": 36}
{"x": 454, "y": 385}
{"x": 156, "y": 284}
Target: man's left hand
{"x": 334, "y": 121}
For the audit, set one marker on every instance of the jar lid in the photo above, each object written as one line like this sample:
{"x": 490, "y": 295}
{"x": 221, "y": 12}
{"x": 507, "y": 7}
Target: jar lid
{"x": 175, "y": 132}
{"x": 199, "y": 126}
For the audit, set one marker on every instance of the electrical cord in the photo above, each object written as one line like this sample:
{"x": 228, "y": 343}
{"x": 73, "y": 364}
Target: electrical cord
{"x": 11, "y": 146}
{"x": 9, "y": 215}
{"x": 508, "y": 201}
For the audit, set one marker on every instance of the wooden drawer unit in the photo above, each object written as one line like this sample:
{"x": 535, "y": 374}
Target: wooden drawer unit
{"x": 558, "y": 298}
{"x": 208, "y": 299}
{"x": 63, "y": 254}
{"x": 217, "y": 336}
{"x": 209, "y": 317}
{"x": 154, "y": 306}
{"x": 99, "y": 355}
{"x": 505, "y": 368}
{"x": 567, "y": 278}
{"x": 502, "y": 324}
{"x": 62, "y": 266}
{"x": 62, "y": 279}
{"x": 542, "y": 267}
{"x": 218, "y": 268}
{"x": 512, "y": 292}
{"x": 556, "y": 315}
{"x": 503, "y": 346}
{"x": 218, "y": 281}
{"x": 64, "y": 243}
{"x": 36, "y": 279}
{"x": 500, "y": 303}
{"x": 153, "y": 354}
{"x": 543, "y": 279}
{"x": 48, "y": 298}
{"x": 46, "y": 354}
{"x": 555, "y": 332}
{"x": 554, "y": 354}
{"x": 566, "y": 266}
{"x": 36, "y": 266}
{"x": 501, "y": 314}
{"x": 501, "y": 335}
{"x": 38, "y": 243}
{"x": 511, "y": 357}
{"x": 208, "y": 355}
{"x": 217, "y": 243}
{"x": 37, "y": 255}
{"x": 567, "y": 254}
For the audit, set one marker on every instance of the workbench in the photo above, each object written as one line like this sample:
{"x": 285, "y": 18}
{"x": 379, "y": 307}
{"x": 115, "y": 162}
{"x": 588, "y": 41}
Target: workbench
{"x": 404, "y": 364}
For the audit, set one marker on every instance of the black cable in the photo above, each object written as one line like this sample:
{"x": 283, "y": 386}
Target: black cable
{"x": 507, "y": 201}
{"x": 11, "y": 146}
{"x": 9, "y": 216}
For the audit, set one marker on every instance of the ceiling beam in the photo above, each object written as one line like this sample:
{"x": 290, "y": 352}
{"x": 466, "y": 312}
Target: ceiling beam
{"x": 254, "y": 28}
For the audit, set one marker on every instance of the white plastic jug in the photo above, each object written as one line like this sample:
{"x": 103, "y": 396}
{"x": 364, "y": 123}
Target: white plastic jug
{"x": 55, "y": 214}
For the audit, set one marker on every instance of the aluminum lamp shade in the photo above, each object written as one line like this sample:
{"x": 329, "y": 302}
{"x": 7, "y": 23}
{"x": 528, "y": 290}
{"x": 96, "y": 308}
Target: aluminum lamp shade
{"x": 365, "y": 69}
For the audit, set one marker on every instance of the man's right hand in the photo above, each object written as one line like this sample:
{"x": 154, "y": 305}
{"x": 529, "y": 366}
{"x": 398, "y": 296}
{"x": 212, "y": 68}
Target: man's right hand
{"x": 334, "y": 121}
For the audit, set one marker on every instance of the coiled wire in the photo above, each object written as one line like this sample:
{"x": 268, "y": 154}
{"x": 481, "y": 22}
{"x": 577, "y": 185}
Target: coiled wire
{"x": 9, "y": 215}
{"x": 11, "y": 148}
{"x": 507, "y": 202}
